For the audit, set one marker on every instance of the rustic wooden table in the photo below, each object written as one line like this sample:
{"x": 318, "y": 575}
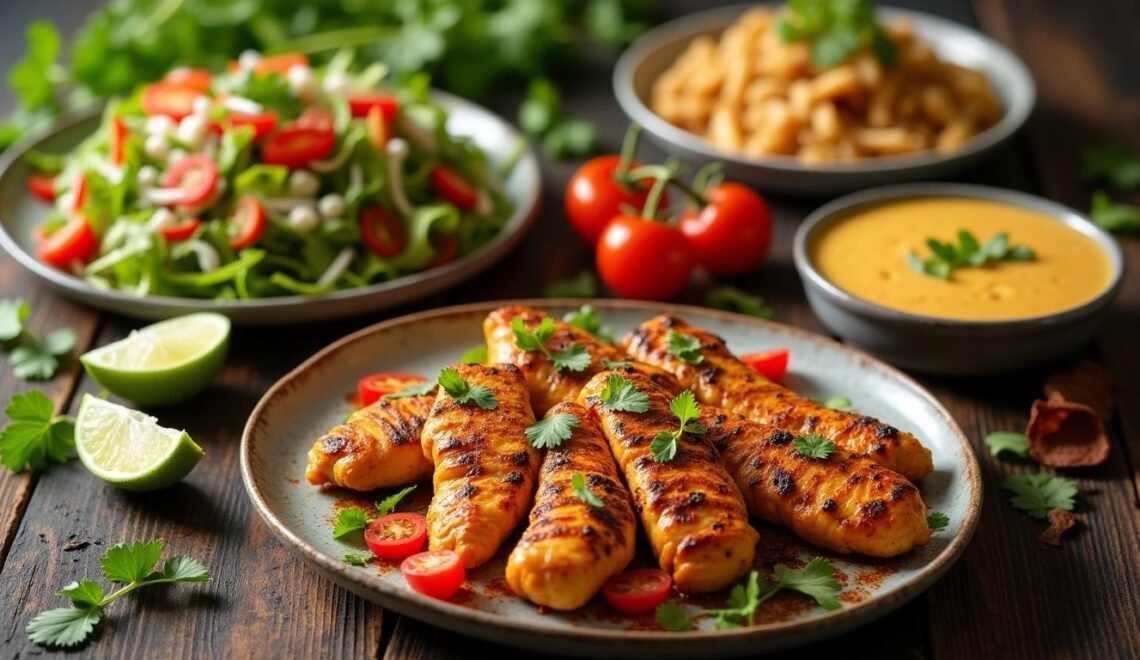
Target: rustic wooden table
{"x": 1008, "y": 596}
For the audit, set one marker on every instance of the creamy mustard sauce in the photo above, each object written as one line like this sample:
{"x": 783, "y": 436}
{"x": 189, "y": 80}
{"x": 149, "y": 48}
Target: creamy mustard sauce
{"x": 865, "y": 255}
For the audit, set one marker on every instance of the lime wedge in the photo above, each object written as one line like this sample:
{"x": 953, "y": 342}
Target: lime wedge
{"x": 164, "y": 363}
{"x": 128, "y": 449}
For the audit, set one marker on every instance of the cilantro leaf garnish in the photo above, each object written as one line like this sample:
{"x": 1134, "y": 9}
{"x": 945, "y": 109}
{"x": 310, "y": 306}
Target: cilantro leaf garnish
{"x": 36, "y": 436}
{"x": 13, "y": 313}
{"x": 463, "y": 392}
{"x": 937, "y": 520}
{"x": 817, "y": 580}
{"x": 552, "y": 431}
{"x": 946, "y": 256}
{"x": 32, "y": 358}
{"x": 1035, "y": 494}
{"x": 574, "y": 358}
{"x": 621, "y": 395}
{"x": 389, "y": 504}
{"x": 835, "y": 29}
{"x": 614, "y": 364}
{"x": 813, "y": 445}
{"x": 1111, "y": 162}
{"x": 1112, "y": 216}
{"x": 672, "y": 617}
{"x": 582, "y": 285}
{"x": 349, "y": 521}
{"x": 475, "y": 355}
{"x": 586, "y": 318}
{"x": 731, "y": 299}
{"x": 582, "y": 491}
{"x": 1007, "y": 441}
{"x": 133, "y": 566}
{"x": 415, "y": 389}
{"x": 685, "y": 409}
{"x": 685, "y": 347}
{"x": 357, "y": 558}
{"x": 837, "y": 402}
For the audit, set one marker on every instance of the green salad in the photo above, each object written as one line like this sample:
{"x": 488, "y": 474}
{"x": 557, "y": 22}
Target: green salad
{"x": 272, "y": 178}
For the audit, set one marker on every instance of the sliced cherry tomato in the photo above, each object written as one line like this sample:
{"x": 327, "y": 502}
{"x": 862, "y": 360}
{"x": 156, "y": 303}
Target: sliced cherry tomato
{"x": 639, "y": 590}
{"x": 382, "y": 232}
{"x": 181, "y": 231}
{"x": 378, "y": 131}
{"x": 196, "y": 79}
{"x": 446, "y": 249}
{"x": 42, "y": 186}
{"x": 248, "y": 220}
{"x": 196, "y": 176}
{"x": 316, "y": 117}
{"x": 297, "y": 146}
{"x": 453, "y": 187}
{"x": 642, "y": 259}
{"x": 361, "y": 105}
{"x": 263, "y": 124}
{"x": 174, "y": 101}
{"x": 438, "y": 574}
{"x": 74, "y": 241}
{"x": 118, "y": 141}
{"x": 771, "y": 364}
{"x": 594, "y": 197}
{"x": 396, "y": 535}
{"x": 280, "y": 64}
{"x": 373, "y": 386}
{"x": 79, "y": 193}
{"x": 731, "y": 234}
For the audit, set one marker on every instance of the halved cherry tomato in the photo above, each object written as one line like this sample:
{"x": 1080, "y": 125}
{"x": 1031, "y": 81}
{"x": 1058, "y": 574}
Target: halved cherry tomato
{"x": 196, "y": 176}
{"x": 642, "y": 259}
{"x": 74, "y": 241}
{"x": 594, "y": 197}
{"x": 195, "y": 79}
{"x": 453, "y": 187}
{"x": 248, "y": 220}
{"x": 396, "y": 535}
{"x": 730, "y": 235}
{"x": 378, "y": 131}
{"x": 280, "y": 64}
{"x": 42, "y": 186}
{"x": 297, "y": 146}
{"x": 771, "y": 364}
{"x": 263, "y": 124}
{"x": 361, "y": 105}
{"x": 438, "y": 574}
{"x": 316, "y": 117}
{"x": 373, "y": 386}
{"x": 639, "y": 590}
{"x": 181, "y": 231}
{"x": 446, "y": 249}
{"x": 382, "y": 232}
{"x": 118, "y": 141}
{"x": 174, "y": 101}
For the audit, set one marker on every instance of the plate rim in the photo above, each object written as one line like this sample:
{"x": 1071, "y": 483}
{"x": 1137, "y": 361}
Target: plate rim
{"x": 837, "y": 621}
{"x": 514, "y": 230}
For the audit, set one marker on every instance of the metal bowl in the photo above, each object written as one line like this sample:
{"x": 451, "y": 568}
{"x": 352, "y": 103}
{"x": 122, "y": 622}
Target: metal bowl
{"x": 947, "y": 346}
{"x": 655, "y": 52}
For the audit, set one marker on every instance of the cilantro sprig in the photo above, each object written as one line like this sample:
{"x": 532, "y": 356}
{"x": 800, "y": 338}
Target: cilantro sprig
{"x": 465, "y": 393}
{"x": 687, "y": 348}
{"x": 582, "y": 285}
{"x": 31, "y": 357}
{"x": 37, "y": 436}
{"x": 813, "y": 445}
{"x": 946, "y": 256}
{"x": 475, "y": 355}
{"x": 389, "y": 504}
{"x": 672, "y": 617}
{"x": 1112, "y": 163}
{"x": 835, "y": 29}
{"x": 937, "y": 520}
{"x": 415, "y": 389}
{"x": 133, "y": 565}
{"x": 837, "y": 402}
{"x": 621, "y": 395}
{"x": 586, "y": 318}
{"x": 1113, "y": 216}
{"x": 574, "y": 357}
{"x": 349, "y": 521}
{"x": 731, "y": 299}
{"x": 1010, "y": 442}
{"x": 582, "y": 491}
{"x": 684, "y": 408}
{"x": 1036, "y": 494}
{"x": 552, "y": 431}
{"x": 540, "y": 116}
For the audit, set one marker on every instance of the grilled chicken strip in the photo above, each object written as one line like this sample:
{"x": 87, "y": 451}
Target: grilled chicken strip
{"x": 690, "y": 508}
{"x": 378, "y": 447}
{"x": 846, "y": 503}
{"x": 720, "y": 379}
{"x": 547, "y": 385}
{"x": 570, "y": 547}
{"x": 485, "y": 468}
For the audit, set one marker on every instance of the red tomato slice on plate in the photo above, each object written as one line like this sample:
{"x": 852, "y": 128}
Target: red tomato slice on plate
{"x": 174, "y": 101}
{"x": 771, "y": 364}
{"x": 382, "y": 232}
{"x": 453, "y": 187}
{"x": 639, "y": 590}
{"x": 373, "y": 386}
{"x": 74, "y": 241}
{"x": 361, "y": 105}
{"x": 181, "y": 231}
{"x": 42, "y": 186}
{"x": 396, "y": 535}
{"x": 247, "y": 221}
{"x": 298, "y": 146}
{"x": 196, "y": 176}
{"x": 438, "y": 574}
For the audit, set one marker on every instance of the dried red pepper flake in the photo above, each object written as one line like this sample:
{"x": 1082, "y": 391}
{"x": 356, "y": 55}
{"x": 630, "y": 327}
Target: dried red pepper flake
{"x": 1060, "y": 521}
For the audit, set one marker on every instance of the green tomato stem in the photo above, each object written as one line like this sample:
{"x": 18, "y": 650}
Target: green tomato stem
{"x": 628, "y": 151}
{"x": 662, "y": 175}
{"x": 670, "y": 173}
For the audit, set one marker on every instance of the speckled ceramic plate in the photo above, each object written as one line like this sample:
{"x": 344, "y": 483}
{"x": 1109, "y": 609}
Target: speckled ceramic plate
{"x": 312, "y": 398}
{"x": 20, "y": 213}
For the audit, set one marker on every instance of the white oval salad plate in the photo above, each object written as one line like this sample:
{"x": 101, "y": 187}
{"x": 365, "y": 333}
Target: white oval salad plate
{"x": 312, "y": 398}
{"x": 21, "y": 213}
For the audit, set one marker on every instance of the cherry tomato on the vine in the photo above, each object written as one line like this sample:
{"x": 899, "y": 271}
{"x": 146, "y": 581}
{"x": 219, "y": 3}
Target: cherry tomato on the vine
{"x": 643, "y": 259}
{"x": 731, "y": 234}
{"x": 595, "y": 196}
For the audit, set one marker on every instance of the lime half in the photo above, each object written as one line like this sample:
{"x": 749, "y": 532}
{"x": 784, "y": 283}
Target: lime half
{"x": 164, "y": 363}
{"x": 128, "y": 449}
